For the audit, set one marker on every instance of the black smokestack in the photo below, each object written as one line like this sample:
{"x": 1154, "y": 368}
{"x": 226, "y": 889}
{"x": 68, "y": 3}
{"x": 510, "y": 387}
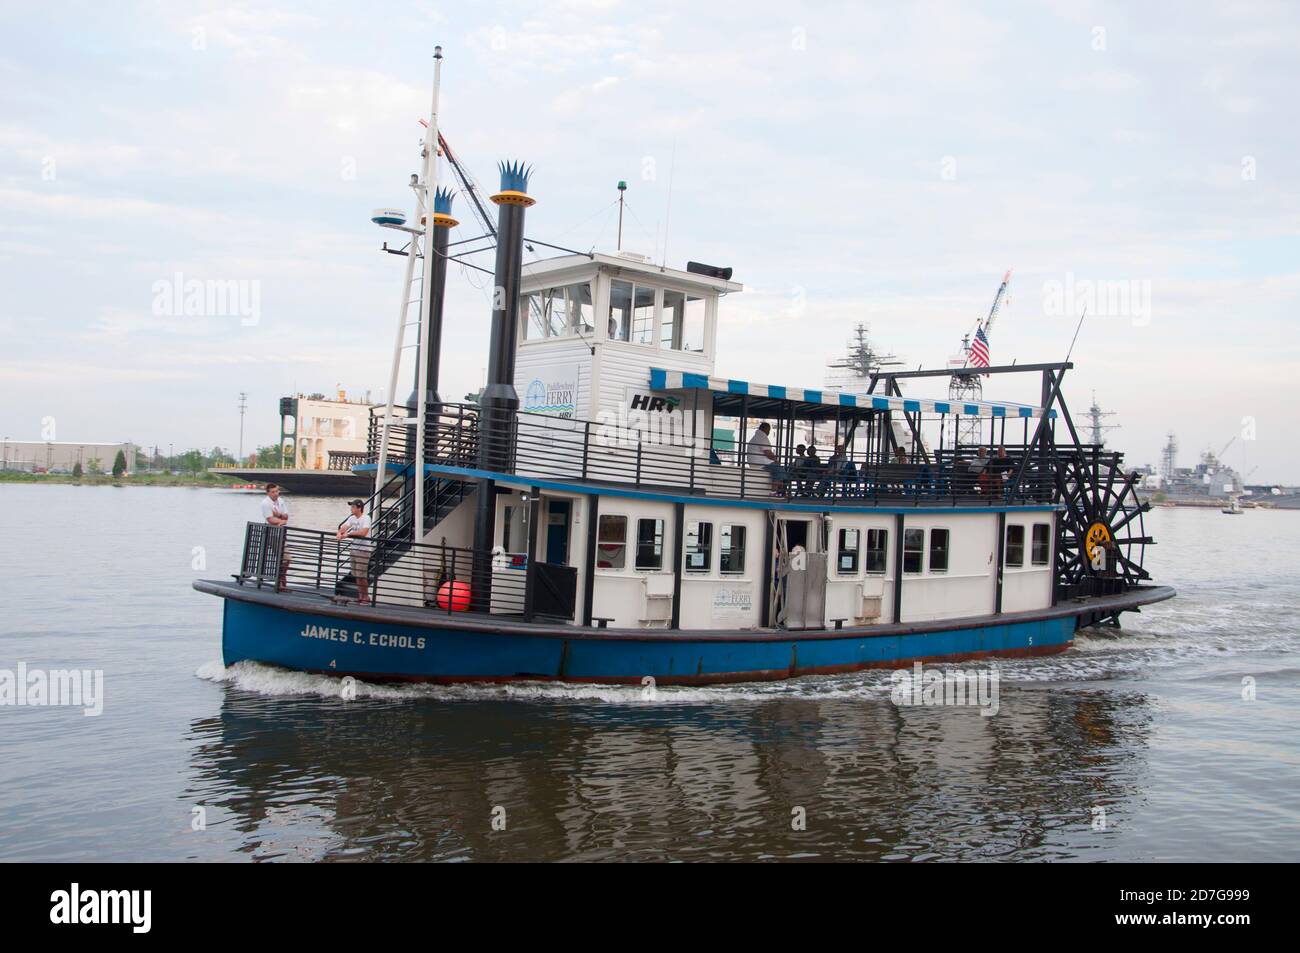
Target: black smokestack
{"x": 499, "y": 401}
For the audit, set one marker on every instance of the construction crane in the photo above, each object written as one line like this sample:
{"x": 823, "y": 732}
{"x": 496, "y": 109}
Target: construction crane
{"x": 470, "y": 185}
{"x": 966, "y": 383}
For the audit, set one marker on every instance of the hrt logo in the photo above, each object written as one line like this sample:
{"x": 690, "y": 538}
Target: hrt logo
{"x": 652, "y": 404}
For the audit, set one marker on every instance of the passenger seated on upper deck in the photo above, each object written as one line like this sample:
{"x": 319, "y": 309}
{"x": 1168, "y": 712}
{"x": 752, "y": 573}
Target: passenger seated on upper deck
{"x": 838, "y": 469}
{"x": 1002, "y": 466}
{"x": 816, "y": 484}
{"x": 758, "y": 453}
{"x": 984, "y": 474}
{"x": 797, "y": 466}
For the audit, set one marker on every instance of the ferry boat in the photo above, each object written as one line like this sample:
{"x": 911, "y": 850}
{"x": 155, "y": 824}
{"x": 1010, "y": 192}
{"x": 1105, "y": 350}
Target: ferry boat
{"x": 612, "y": 510}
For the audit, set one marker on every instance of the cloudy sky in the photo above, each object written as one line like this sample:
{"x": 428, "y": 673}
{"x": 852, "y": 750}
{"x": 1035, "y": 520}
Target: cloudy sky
{"x": 879, "y": 162}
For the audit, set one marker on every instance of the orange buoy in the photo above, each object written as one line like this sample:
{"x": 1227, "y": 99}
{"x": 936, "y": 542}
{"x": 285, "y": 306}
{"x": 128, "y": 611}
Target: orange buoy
{"x": 455, "y": 595}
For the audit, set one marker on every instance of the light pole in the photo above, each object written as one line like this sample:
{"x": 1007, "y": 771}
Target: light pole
{"x": 243, "y": 406}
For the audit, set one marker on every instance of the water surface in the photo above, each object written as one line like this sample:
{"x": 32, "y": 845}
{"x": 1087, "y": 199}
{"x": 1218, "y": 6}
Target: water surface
{"x": 1148, "y": 726}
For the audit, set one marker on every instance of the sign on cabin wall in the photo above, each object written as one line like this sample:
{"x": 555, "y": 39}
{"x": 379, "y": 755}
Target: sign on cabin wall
{"x": 733, "y": 605}
{"x": 553, "y": 390}
{"x": 663, "y": 417}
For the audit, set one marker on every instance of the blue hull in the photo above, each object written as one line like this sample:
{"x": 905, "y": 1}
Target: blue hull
{"x": 384, "y": 650}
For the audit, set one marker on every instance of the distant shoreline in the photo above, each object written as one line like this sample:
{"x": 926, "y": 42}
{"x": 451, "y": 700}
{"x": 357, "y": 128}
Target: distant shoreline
{"x": 200, "y": 481}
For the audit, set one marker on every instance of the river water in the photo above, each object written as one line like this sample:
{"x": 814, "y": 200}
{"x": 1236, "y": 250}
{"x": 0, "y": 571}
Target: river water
{"x": 1175, "y": 739}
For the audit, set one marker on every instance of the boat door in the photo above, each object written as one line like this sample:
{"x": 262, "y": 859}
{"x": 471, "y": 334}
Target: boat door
{"x": 558, "y": 517}
{"x": 798, "y": 596}
{"x": 553, "y": 580}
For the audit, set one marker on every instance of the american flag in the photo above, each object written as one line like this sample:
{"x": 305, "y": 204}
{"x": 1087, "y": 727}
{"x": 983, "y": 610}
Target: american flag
{"x": 979, "y": 349}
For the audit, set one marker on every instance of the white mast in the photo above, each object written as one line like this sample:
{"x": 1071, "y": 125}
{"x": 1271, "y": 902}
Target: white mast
{"x": 412, "y": 253}
{"x": 430, "y": 181}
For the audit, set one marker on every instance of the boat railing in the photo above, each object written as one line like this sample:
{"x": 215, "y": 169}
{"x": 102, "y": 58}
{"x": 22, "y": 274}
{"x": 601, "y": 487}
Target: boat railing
{"x": 547, "y": 447}
{"x": 430, "y": 576}
{"x": 574, "y": 450}
{"x": 450, "y": 434}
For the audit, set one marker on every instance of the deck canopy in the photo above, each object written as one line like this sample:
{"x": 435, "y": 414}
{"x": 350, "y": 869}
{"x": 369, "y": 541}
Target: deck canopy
{"x": 762, "y": 400}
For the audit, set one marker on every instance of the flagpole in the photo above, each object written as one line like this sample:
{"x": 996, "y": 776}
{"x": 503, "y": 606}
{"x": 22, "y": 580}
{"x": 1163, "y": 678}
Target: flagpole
{"x": 430, "y": 181}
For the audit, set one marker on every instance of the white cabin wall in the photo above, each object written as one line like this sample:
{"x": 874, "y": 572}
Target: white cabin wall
{"x": 711, "y": 600}
{"x": 535, "y": 357}
{"x": 1029, "y": 586}
{"x": 456, "y": 528}
{"x": 846, "y": 592}
{"x": 621, "y": 594}
{"x": 969, "y": 586}
{"x": 624, "y": 365}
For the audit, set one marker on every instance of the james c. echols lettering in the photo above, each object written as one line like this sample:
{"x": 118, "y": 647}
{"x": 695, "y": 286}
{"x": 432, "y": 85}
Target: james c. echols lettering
{"x": 382, "y": 640}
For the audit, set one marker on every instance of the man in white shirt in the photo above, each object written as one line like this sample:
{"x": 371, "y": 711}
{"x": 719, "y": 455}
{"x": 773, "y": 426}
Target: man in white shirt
{"x": 275, "y": 512}
{"x": 758, "y": 453}
{"x": 356, "y": 531}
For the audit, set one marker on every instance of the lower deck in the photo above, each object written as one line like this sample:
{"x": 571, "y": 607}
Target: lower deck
{"x": 308, "y": 633}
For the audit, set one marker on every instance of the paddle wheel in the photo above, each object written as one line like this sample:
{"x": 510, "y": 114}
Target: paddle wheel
{"x": 1101, "y": 536}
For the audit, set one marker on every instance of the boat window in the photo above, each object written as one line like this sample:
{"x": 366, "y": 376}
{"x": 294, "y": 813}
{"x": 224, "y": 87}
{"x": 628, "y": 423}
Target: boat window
{"x": 699, "y": 546}
{"x": 670, "y": 330}
{"x": 692, "y": 334}
{"x": 1042, "y": 544}
{"x": 850, "y": 540}
{"x": 532, "y": 316}
{"x": 557, "y": 312}
{"x": 1015, "y": 546}
{"x": 938, "y": 550}
{"x": 611, "y": 542}
{"x": 913, "y": 549}
{"x": 649, "y": 544}
{"x": 731, "y": 549}
{"x": 620, "y": 310}
{"x": 577, "y": 304}
{"x": 643, "y": 315}
{"x": 877, "y": 549}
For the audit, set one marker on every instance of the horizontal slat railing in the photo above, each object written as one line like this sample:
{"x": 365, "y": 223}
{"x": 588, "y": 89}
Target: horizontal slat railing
{"x": 548, "y": 447}
{"x": 436, "y": 577}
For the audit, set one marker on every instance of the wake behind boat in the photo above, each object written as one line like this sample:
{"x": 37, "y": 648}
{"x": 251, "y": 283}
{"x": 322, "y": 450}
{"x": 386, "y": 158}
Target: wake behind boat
{"x": 610, "y": 510}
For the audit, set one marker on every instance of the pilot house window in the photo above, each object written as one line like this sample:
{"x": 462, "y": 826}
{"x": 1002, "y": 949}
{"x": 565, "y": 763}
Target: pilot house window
{"x": 557, "y": 312}
{"x": 631, "y": 312}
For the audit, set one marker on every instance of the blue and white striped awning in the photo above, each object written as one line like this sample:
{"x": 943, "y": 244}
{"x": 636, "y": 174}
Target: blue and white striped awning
{"x": 661, "y": 379}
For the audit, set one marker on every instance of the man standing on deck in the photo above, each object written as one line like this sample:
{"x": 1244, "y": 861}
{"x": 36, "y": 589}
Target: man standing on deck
{"x": 356, "y": 529}
{"x": 275, "y": 512}
{"x": 758, "y": 453}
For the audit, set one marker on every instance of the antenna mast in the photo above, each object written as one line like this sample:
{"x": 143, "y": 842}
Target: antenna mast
{"x": 430, "y": 181}
{"x": 622, "y": 187}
